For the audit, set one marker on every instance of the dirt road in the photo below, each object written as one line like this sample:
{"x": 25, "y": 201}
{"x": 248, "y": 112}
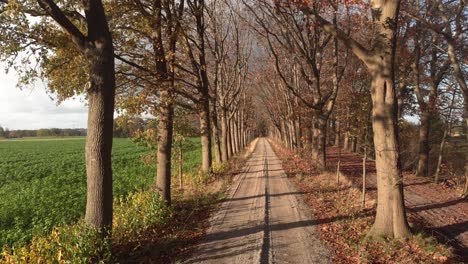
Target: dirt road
{"x": 263, "y": 220}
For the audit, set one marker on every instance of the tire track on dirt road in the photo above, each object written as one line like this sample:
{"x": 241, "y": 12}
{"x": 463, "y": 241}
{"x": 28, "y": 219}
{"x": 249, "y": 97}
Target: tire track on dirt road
{"x": 263, "y": 220}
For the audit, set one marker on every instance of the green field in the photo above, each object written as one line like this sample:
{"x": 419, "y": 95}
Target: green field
{"x": 43, "y": 182}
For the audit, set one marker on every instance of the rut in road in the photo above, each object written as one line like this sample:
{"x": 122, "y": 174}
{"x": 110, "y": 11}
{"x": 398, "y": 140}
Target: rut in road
{"x": 263, "y": 220}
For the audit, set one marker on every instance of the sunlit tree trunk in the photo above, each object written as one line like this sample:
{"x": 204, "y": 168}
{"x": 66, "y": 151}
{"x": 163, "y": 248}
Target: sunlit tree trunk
{"x": 229, "y": 130}
{"x": 224, "y": 136}
{"x": 205, "y": 135}
{"x": 390, "y": 220}
{"x": 215, "y": 128}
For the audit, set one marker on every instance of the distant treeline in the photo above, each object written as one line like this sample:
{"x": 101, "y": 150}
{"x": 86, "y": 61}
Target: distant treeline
{"x": 43, "y": 132}
{"x": 124, "y": 126}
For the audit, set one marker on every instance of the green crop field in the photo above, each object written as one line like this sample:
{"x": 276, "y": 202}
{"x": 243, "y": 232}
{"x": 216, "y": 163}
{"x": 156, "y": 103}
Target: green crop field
{"x": 43, "y": 182}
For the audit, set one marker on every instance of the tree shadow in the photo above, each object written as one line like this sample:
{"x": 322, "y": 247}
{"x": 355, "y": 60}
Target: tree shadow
{"x": 261, "y": 195}
{"x": 436, "y": 205}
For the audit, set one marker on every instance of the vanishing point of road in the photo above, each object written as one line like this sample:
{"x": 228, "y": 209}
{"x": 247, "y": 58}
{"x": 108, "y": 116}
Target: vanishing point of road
{"x": 262, "y": 220}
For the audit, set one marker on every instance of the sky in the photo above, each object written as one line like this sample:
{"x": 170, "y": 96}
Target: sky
{"x": 33, "y": 108}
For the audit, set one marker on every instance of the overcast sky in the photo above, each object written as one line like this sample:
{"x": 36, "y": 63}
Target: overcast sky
{"x": 32, "y": 108}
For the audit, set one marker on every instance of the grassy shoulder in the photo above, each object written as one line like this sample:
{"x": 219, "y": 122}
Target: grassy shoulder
{"x": 144, "y": 229}
{"x": 343, "y": 224}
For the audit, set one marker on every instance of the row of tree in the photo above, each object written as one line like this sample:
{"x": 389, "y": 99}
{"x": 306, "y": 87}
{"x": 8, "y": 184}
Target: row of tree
{"x": 157, "y": 58}
{"x": 354, "y": 68}
{"x": 43, "y": 132}
{"x": 350, "y": 73}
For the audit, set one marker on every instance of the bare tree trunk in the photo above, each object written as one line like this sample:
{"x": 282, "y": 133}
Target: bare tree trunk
{"x": 98, "y": 49}
{"x": 240, "y": 131}
{"x": 364, "y": 178}
{"x": 390, "y": 220}
{"x": 101, "y": 94}
{"x": 346, "y": 141}
{"x": 308, "y": 136}
{"x": 458, "y": 72}
{"x": 205, "y": 135}
{"x": 165, "y": 113}
{"x": 465, "y": 130}
{"x": 99, "y": 197}
{"x": 299, "y": 132}
{"x": 292, "y": 129}
{"x": 217, "y": 143}
{"x": 364, "y": 160}
{"x": 337, "y": 134}
{"x": 347, "y": 129}
{"x": 224, "y": 136}
{"x": 444, "y": 137}
{"x": 322, "y": 145}
{"x": 441, "y": 152}
{"x": 238, "y": 145}
{"x": 234, "y": 134}
{"x": 230, "y": 149}
{"x": 165, "y": 132}
{"x": 287, "y": 138}
{"x": 354, "y": 144}
{"x": 315, "y": 140}
{"x": 319, "y": 148}
{"x": 181, "y": 162}
{"x": 423, "y": 155}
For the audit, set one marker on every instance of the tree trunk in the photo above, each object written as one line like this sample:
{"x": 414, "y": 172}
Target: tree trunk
{"x": 239, "y": 131}
{"x": 315, "y": 140}
{"x": 319, "y": 148}
{"x": 205, "y": 137}
{"x": 99, "y": 197}
{"x": 390, "y": 220}
{"x": 423, "y": 155}
{"x": 444, "y": 137}
{"x": 217, "y": 143}
{"x": 230, "y": 149}
{"x": 346, "y": 141}
{"x": 224, "y": 136}
{"x": 465, "y": 130}
{"x": 337, "y": 134}
{"x": 283, "y": 134}
{"x": 236, "y": 133}
{"x": 181, "y": 163}
{"x": 292, "y": 131}
{"x": 363, "y": 198}
{"x": 308, "y": 135}
{"x": 166, "y": 110}
{"x": 299, "y": 132}
{"x": 322, "y": 144}
{"x": 165, "y": 132}
{"x": 441, "y": 153}
{"x": 101, "y": 94}
{"x": 354, "y": 143}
